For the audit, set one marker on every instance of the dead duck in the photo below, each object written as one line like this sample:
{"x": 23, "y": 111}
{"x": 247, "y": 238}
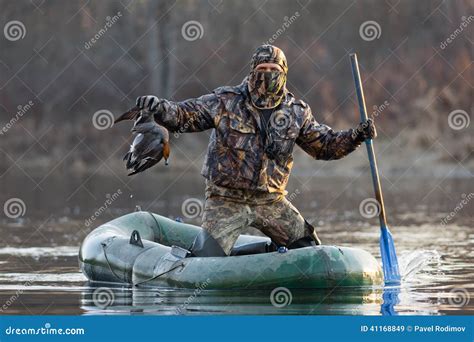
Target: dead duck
{"x": 151, "y": 143}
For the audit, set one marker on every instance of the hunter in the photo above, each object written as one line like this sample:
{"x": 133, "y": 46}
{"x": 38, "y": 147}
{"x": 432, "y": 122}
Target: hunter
{"x": 255, "y": 126}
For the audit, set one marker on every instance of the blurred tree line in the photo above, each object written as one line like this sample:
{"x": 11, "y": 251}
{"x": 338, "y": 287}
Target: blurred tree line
{"x": 80, "y": 57}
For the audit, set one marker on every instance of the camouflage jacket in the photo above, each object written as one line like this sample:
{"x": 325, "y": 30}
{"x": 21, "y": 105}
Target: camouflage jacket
{"x": 237, "y": 155}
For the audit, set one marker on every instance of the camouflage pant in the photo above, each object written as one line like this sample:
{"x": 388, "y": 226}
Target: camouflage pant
{"x": 227, "y": 212}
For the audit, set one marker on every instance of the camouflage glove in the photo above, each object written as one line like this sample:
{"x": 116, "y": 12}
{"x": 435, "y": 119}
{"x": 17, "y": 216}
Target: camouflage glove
{"x": 149, "y": 102}
{"x": 365, "y": 130}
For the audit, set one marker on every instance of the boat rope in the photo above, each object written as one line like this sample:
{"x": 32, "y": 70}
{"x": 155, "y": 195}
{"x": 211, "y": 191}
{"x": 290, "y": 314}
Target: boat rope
{"x": 160, "y": 231}
{"x": 110, "y": 266}
{"x": 159, "y": 275}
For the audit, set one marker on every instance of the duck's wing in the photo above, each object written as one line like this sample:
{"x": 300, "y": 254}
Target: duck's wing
{"x": 146, "y": 164}
{"x": 150, "y": 154}
{"x": 130, "y": 114}
{"x": 132, "y": 157}
{"x": 145, "y": 151}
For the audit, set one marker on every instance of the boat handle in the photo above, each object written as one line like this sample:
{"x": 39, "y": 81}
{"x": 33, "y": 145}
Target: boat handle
{"x": 135, "y": 239}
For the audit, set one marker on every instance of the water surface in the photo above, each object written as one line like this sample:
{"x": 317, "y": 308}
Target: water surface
{"x": 38, "y": 252}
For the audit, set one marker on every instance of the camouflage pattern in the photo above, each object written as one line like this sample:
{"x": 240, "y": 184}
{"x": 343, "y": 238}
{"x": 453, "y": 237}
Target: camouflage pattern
{"x": 243, "y": 153}
{"x": 267, "y": 88}
{"x": 228, "y": 212}
{"x": 269, "y": 54}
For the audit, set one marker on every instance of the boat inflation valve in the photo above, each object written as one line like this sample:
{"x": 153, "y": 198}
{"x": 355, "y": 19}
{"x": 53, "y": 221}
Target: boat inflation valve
{"x": 179, "y": 252}
{"x": 135, "y": 239}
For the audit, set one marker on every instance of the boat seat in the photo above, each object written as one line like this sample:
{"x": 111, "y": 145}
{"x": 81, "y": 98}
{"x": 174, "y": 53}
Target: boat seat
{"x": 254, "y": 248}
{"x": 206, "y": 246}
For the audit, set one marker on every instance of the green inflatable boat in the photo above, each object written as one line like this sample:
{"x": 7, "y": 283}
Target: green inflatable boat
{"x": 145, "y": 249}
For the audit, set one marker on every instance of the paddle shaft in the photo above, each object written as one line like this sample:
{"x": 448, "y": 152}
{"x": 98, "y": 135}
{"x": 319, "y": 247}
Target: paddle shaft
{"x": 370, "y": 148}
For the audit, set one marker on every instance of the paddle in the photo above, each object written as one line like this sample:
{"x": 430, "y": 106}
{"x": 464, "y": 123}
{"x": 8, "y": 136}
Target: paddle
{"x": 387, "y": 247}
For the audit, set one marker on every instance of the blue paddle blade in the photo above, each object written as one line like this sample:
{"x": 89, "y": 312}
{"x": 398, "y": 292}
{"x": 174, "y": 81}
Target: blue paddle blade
{"x": 389, "y": 258}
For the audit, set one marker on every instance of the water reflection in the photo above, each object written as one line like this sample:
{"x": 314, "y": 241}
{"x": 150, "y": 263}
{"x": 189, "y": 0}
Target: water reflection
{"x": 114, "y": 299}
{"x": 390, "y": 300}
{"x": 108, "y": 298}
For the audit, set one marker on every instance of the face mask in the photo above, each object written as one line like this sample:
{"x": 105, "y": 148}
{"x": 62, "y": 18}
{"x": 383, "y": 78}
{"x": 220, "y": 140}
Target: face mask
{"x": 266, "y": 88}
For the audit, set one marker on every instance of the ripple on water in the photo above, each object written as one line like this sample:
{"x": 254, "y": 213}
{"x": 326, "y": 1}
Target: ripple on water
{"x": 411, "y": 263}
{"x": 35, "y": 252}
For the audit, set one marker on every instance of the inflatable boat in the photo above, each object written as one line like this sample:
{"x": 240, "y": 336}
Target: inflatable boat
{"x": 145, "y": 249}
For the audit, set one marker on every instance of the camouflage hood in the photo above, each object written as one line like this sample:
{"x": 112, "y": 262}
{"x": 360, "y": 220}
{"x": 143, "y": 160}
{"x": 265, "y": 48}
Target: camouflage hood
{"x": 267, "y": 88}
